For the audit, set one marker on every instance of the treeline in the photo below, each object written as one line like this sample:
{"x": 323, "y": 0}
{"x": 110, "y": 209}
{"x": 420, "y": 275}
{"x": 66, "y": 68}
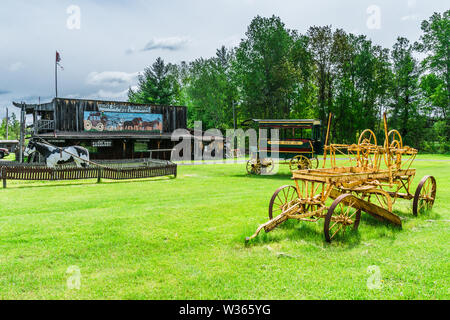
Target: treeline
{"x": 276, "y": 73}
{"x": 13, "y": 128}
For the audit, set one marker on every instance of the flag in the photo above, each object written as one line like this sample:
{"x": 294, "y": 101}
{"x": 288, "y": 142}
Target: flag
{"x": 58, "y": 60}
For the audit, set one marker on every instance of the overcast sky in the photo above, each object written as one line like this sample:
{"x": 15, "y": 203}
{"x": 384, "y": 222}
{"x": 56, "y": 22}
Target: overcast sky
{"x": 104, "y": 44}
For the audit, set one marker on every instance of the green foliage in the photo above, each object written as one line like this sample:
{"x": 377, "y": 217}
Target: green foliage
{"x": 276, "y": 72}
{"x": 212, "y": 91}
{"x": 158, "y": 85}
{"x": 268, "y": 72}
{"x": 13, "y": 130}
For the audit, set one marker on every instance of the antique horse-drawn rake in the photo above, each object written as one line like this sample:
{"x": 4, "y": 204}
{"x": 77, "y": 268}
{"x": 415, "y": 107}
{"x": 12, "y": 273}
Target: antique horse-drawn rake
{"x": 362, "y": 186}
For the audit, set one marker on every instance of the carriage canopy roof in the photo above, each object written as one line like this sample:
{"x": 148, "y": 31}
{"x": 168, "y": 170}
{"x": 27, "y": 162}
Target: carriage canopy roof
{"x": 283, "y": 123}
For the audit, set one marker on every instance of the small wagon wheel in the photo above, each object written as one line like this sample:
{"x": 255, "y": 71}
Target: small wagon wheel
{"x": 395, "y": 143}
{"x": 425, "y": 195}
{"x": 280, "y": 200}
{"x": 380, "y": 198}
{"x": 314, "y": 162}
{"x": 267, "y": 166}
{"x": 367, "y": 137}
{"x": 366, "y": 144}
{"x": 253, "y": 167}
{"x": 300, "y": 163}
{"x": 342, "y": 214}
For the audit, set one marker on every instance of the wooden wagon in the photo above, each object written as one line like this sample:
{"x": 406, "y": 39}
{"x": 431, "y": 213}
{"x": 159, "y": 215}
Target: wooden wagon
{"x": 368, "y": 185}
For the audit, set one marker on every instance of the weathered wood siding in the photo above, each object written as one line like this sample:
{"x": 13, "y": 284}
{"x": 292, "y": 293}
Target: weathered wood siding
{"x": 70, "y": 113}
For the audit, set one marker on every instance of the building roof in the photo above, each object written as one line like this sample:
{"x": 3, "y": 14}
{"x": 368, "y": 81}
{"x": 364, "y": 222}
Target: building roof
{"x": 283, "y": 122}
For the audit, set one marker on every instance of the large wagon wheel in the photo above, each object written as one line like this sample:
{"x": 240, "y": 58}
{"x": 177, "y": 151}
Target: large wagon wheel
{"x": 253, "y": 167}
{"x": 281, "y": 199}
{"x": 366, "y": 144}
{"x": 300, "y": 163}
{"x": 425, "y": 195}
{"x": 342, "y": 214}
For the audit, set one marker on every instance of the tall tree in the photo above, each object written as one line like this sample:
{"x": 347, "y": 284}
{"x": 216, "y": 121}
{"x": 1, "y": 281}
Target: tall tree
{"x": 212, "y": 90}
{"x": 267, "y": 75}
{"x": 405, "y": 95}
{"x": 158, "y": 85}
{"x": 435, "y": 42}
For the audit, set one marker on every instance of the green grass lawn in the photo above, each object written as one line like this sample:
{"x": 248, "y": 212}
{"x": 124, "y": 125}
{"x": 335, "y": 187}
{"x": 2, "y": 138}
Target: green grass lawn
{"x": 184, "y": 239}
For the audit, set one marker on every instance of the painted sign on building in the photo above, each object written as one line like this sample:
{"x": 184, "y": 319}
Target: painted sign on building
{"x": 118, "y": 121}
{"x": 122, "y": 108}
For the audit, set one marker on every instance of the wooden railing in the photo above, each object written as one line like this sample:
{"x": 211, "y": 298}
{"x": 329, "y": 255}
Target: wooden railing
{"x": 111, "y": 171}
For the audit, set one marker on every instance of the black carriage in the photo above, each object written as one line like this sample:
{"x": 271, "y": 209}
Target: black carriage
{"x": 297, "y": 144}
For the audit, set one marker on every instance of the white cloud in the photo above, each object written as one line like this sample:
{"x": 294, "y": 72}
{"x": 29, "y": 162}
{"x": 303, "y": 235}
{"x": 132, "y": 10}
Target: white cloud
{"x": 16, "y": 66}
{"x": 111, "y": 78}
{"x": 109, "y": 95}
{"x": 171, "y": 44}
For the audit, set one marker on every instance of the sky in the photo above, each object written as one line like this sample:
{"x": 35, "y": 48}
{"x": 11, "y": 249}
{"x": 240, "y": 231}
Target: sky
{"x": 104, "y": 44}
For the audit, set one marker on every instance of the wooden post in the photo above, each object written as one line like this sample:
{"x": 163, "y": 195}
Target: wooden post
{"x": 22, "y": 132}
{"x": 4, "y": 177}
{"x": 99, "y": 175}
{"x": 327, "y": 139}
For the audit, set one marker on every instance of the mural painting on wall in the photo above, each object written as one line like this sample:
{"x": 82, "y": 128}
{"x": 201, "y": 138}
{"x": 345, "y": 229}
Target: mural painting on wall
{"x": 116, "y": 121}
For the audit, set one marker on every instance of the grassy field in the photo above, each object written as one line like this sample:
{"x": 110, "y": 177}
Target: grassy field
{"x": 184, "y": 239}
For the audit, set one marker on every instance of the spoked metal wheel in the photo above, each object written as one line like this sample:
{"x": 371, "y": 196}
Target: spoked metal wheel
{"x": 367, "y": 143}
{"x": 425, "y": 195}
{"x": 314, "y": 162}
{"x": 342, "y": 214}
{"x": 267, "y": 166}
{"x": 300, "y": 163}
{"x": 281, "y": 199}
{"x": 380, "y": 198}
{"x": 253, "y": 167}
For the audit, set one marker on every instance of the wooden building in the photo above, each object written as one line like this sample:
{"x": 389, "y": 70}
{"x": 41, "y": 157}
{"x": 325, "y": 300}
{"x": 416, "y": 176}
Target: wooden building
{"x": 108, "y": 129}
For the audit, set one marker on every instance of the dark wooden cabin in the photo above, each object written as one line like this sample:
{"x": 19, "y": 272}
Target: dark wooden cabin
{"x": 108, "y": 129}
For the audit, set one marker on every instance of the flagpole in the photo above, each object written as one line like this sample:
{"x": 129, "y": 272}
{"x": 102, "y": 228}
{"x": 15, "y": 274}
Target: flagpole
{"x": 56, "y": 75}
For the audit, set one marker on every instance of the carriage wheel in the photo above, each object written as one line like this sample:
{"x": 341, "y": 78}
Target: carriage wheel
{"x": 268, "y": 166}
{"x": 314, "y": 162}
{"x": 253, "y": 167}
{"x": 425, "y": 195}
{"x": 380, "y": 198}
{"x": 300, "y": 163}
{"x": 280, "y": 200}
{"x": 340, "y": 216}
{"x": 88, "y": 125}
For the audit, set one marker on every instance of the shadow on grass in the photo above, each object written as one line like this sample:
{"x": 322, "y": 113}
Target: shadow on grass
{"x": 60, "y": 183}
{"x": 280, "y": 176}
{"x": 308, "y": 232}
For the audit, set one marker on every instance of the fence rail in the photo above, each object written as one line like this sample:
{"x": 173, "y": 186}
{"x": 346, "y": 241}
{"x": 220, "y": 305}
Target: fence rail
{"x": 110, "y": 171}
